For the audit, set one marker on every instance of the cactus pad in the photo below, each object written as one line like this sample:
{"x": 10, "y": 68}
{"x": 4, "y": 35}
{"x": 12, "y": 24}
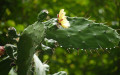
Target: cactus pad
{"x": 31, "y": 37}
{"x": 83, "y": 34}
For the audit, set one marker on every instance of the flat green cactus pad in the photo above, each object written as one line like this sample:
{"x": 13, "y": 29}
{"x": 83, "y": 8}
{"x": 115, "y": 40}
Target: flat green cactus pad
{"x": 31, "y": 37}
{"x": 83, "y": 34}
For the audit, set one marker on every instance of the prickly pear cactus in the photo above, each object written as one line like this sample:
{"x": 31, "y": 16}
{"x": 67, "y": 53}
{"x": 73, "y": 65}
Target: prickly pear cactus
{"x": 31, "y": 37}
{"x": 29, "y": 40}
{"x": 82, "y": 34}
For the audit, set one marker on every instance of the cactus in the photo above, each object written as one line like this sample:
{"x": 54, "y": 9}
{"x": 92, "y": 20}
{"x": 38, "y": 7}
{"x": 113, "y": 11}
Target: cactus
{"x": 12, "y": 35}
{"x": 29, "y": 40}
{"x": 42, "y": 15}
{"x": 82, "y": 34}
{"x": 31, "y": 37}
{"x": 10, "y": 50}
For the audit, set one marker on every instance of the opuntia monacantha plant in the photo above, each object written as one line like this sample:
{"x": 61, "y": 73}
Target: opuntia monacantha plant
{"x": 66, "y": 32}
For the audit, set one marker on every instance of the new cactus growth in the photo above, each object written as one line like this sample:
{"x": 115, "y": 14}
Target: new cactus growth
{"x": 12, "y": 32}
{"x": 10, "y": 50}
{"x": 2, "y": 50}
{"x": 42, "y": 15}
{"x": 81, "y": 33}
{"x": 12, "y": 35}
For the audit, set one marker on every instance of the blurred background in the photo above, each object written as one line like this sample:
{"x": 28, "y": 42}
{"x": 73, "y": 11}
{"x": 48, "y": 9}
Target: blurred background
{"x": 21, "y": 13}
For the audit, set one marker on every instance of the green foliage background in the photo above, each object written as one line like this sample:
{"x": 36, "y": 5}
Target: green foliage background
{"x": 21, "y": 13}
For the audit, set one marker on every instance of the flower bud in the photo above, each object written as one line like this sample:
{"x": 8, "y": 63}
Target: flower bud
{"x": 2, "y": 50}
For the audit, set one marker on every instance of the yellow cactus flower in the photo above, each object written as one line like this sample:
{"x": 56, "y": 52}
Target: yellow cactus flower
{"x": 62, "y": 19}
